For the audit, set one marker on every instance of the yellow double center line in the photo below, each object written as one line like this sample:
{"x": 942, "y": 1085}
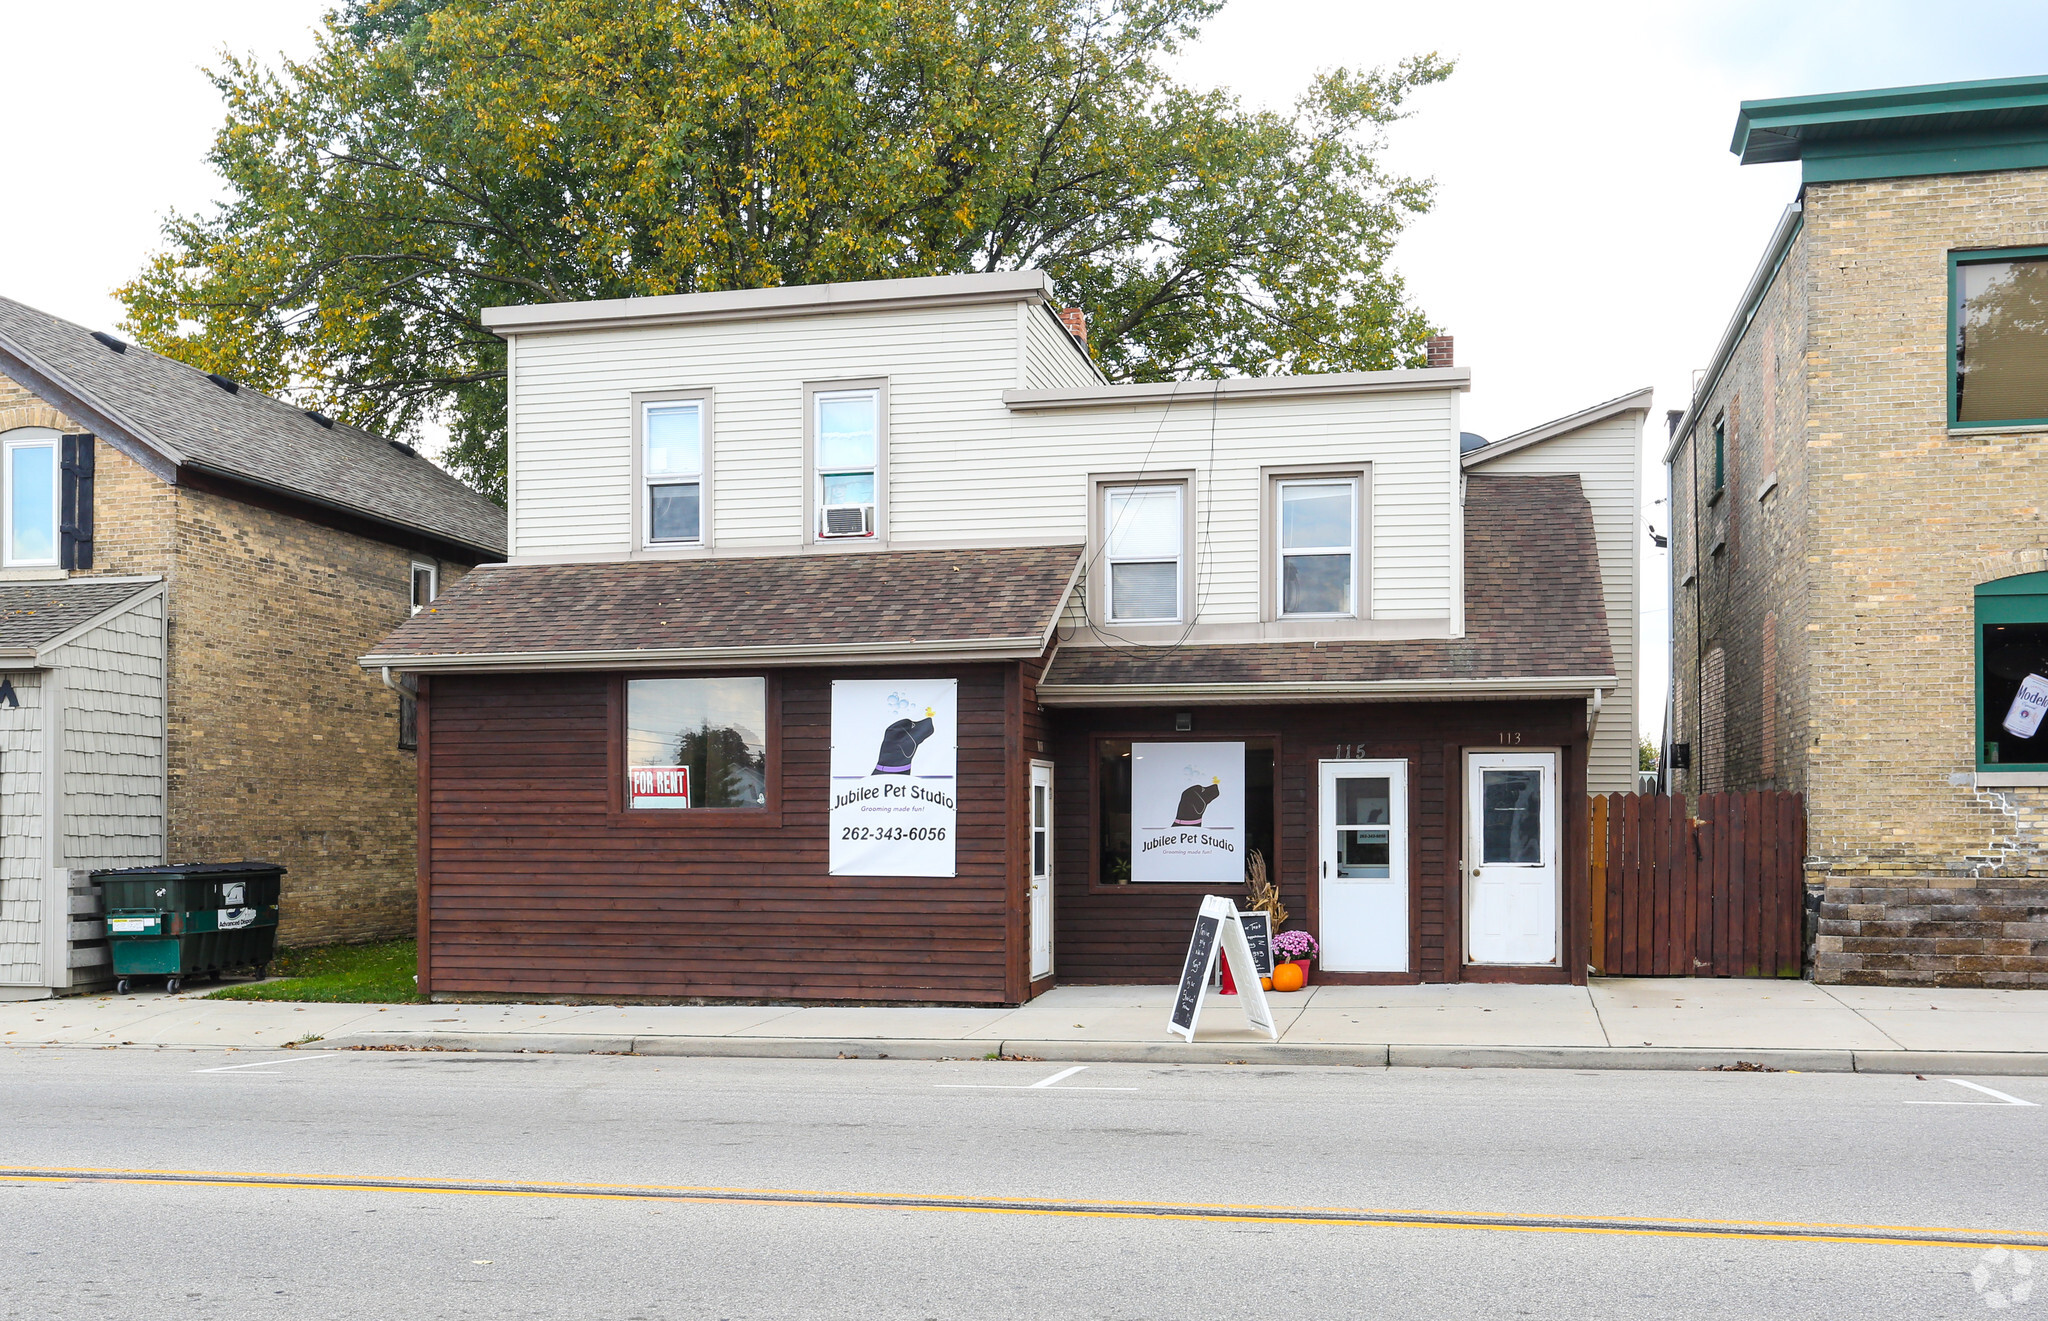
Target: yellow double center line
{"x": 1361, "y": 1217}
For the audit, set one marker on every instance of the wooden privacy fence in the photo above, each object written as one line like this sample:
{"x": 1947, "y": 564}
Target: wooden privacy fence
{"x": 1720, "y": 894}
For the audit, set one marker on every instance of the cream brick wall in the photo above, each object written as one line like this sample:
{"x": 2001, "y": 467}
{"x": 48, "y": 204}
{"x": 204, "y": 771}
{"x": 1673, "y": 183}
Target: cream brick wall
{"x": 1885, "y": 525}
{"x": 278, "y": 747}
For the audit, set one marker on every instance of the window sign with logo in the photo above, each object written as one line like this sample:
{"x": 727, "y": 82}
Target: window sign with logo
{"x": 1187, "y": 812}
{"x": 2023, "y": 718}
{"x": 895, "y": 765}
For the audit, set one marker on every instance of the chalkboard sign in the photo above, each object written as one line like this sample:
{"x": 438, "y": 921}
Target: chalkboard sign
{"x": 1219, "y": 929}
{"x": 1194, "y": 975}
{"x": 1258, "y": 933}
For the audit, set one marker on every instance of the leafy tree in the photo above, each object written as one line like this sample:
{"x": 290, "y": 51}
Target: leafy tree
{"x": 1646, "y": 756}
{"x": 438, "y": 157}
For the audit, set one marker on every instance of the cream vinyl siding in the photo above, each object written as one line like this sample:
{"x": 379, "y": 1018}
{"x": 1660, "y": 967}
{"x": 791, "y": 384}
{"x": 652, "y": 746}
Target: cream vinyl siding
{"x": 1606, "y": 457}
{"x": 1405, "y": 438}
{"x": 962, "y": 468}
{"x": 572, "y": 422}
{"x": 1050, "y": 359}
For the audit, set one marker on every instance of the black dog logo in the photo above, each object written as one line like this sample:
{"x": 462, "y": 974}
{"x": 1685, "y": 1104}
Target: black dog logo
{"x": 900, "y": 742}
{"x": 1195, "y": 800}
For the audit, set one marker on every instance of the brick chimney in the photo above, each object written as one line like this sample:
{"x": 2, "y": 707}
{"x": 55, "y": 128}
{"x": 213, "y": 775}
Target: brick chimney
{"x": 1076, "y": 322}
{"x": 1439, "y": 349}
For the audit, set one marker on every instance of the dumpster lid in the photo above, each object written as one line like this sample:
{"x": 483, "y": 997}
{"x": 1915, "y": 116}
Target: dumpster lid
{"x": 182, "y": 871}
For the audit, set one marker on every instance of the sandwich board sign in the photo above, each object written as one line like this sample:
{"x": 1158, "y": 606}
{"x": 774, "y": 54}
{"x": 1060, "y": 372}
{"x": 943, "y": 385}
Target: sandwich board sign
{"x": 1219, "y": 930}
{"x": 1258, "y": 933}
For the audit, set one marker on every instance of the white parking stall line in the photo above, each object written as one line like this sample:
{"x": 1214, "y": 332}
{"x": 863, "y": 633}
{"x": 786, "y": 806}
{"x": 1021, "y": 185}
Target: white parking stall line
{"x": 1063, "y": 1073}
{"x": 2003, "y": 1097}
{"x": 257, "y": 1064}
{"x": 1051, "y": 1084}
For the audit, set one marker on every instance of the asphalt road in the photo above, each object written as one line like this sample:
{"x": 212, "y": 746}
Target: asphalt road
{"x": 397, "y": 1185}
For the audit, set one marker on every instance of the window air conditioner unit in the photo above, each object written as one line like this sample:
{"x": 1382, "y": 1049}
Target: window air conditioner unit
{"x": 849, "y": 521}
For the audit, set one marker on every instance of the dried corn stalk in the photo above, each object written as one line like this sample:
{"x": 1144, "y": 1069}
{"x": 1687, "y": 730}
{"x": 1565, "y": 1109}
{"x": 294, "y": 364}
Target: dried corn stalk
{"x": 1264, "y": 894}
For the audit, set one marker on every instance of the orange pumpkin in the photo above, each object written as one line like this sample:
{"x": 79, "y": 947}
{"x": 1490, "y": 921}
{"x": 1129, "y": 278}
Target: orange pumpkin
{"x": 1265, "y": 983}
{"x": 1287, "y": 977}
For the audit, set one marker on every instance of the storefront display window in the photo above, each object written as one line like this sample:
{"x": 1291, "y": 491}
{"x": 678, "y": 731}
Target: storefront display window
{"x": 2012, "y": 673}
{"x": 697, "y": 743}
{"x": 1115, "y": 828}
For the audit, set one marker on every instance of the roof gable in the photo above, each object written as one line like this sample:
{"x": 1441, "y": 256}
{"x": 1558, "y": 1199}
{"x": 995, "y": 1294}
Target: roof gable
{"x": 181, "y": 417}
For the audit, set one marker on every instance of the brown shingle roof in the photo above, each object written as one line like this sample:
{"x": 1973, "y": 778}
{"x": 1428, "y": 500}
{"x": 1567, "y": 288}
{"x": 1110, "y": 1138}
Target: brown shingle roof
{"x": 1532, "y": 611}
{"x": 799, "y": 604}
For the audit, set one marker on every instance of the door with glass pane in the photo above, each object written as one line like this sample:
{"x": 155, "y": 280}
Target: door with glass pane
{"x": 1041, "y": 870}
{"x": 1512, "y": 898}
{"x": 1362, "y": 895}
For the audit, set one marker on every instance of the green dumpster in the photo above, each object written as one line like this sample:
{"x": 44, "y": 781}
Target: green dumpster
{"x": 195, "y": 921}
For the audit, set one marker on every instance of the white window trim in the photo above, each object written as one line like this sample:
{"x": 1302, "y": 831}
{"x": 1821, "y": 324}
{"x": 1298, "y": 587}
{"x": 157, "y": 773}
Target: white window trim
{"x": 1274, "y": 564}
{"x": 1099, "y": 488}
{"x": 814, "y": 480}
{"x": 30, "y": 438}
{"x": 705, "y": 400}
{"x": 433, "y": 572}
{"x": 1282, "y": 551}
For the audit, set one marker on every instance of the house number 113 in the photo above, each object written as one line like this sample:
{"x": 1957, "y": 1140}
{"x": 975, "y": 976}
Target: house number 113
{"x": 1510, "y": 740}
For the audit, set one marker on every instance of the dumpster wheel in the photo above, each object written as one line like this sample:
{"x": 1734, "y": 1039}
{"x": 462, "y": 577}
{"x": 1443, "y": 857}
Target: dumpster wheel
{"x": 121, "y": 986}
{"x": 171, "y": 985}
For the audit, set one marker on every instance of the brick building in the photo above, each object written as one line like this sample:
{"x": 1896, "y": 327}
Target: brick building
{"x": 1858, "y": 552}
{"x": 281, "y": 545}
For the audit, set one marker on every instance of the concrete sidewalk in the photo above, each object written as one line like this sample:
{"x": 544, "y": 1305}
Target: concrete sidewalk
{"x": 1611, "y": 1024}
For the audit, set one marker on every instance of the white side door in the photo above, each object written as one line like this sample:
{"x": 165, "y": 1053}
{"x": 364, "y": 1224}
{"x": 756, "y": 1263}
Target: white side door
{"x": 1362, "y": 899}
{"x": 1041, "y": 870}
{"x": 1512, "y": 897}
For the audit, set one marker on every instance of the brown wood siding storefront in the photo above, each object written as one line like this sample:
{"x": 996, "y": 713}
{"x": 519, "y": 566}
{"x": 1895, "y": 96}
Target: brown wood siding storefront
{"x": 534, "y": 882}
{"x": 1138, "y": 933}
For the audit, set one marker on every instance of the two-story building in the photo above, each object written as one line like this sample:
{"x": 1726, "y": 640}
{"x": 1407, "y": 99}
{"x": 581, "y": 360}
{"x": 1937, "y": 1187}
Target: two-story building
{"x": 861, "y": 642}
{"x": 187, "y": 569}
{"x": 1860, "y": 586}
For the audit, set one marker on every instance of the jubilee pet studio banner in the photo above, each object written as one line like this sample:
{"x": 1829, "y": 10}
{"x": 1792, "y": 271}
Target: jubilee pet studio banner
{"x": 1187, "y": 812}
{"x": 895, "y": 754}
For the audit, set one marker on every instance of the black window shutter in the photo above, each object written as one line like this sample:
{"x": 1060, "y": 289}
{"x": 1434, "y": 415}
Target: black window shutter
{"x": 74, "y": 522}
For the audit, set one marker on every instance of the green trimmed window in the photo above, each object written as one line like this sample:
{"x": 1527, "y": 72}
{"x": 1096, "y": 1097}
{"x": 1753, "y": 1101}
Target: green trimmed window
{"x": 2012, "y": 673}
{"x": 1998, "y": 337}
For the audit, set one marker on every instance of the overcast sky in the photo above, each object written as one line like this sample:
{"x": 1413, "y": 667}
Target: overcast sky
{"x": 1590, "y": 235}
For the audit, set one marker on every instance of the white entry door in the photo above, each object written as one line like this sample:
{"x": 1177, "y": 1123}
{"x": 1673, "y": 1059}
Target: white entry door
{"x": 1362, "y": 900}
{"x": 1511, "y": 873}
{"x": 1041, "y": 870}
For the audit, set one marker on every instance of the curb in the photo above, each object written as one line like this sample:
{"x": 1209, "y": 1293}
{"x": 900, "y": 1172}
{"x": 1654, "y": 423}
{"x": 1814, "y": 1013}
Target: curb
{"x": 1990, "y": 1062}
{"x": 1645, "y": 1058}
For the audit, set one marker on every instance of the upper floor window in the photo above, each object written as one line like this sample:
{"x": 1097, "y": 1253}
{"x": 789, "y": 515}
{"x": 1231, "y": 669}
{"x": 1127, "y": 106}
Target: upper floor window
{"x": 28, "y": 503}
{"x": 1720, "y": 452}
{"x": 1999, "y": 346}
{"x": 426, "y": 585}
{"x": 1145, "y": 548}
{"x": 1318, "y": 548}
{"x": 847, "y": 453}
{"x": 672, "y": 471}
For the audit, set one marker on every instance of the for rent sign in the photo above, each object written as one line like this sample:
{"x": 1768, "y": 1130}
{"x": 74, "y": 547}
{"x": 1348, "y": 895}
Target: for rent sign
{"x": 660, "y": 786}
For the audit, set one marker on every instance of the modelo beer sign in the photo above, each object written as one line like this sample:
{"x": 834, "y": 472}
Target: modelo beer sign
{"x": 1187, "y": 812}
{"x": 895, "y": 762}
